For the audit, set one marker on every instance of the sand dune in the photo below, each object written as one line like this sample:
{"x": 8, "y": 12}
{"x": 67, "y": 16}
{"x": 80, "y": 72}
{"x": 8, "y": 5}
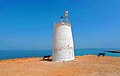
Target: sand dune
{"x": 88, "y": 65}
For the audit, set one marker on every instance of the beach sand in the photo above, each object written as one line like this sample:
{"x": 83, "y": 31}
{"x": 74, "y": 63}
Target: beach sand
{"x": 88, "y": 65}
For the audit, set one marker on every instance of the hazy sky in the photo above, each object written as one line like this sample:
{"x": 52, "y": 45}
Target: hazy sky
{"x": 28, "y": 24}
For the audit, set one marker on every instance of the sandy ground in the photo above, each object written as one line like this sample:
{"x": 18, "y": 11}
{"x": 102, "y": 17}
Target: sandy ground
{"x": 82, "y": 66}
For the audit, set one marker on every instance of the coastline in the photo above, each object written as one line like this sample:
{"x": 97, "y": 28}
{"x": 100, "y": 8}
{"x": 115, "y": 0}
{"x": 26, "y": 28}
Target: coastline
{"x": 87, "y": 65}
{"x": 41, "y": 57}
{"x": 12, "y": 54}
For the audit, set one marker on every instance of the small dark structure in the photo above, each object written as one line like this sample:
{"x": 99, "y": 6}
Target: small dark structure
{"x": 48, "y": 56}
{"x": 113, "y": 51}
{"x": 101, "y": 54}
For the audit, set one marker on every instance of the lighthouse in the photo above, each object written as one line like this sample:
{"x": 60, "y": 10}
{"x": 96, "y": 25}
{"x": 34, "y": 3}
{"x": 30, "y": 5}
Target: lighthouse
{"x": 63, "y": 47}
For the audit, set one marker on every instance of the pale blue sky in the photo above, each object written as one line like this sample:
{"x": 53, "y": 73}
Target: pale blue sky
{"x": 28, "y": 24}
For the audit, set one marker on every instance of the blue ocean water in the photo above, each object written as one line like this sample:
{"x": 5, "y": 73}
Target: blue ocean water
{"x": 10, "y": 54}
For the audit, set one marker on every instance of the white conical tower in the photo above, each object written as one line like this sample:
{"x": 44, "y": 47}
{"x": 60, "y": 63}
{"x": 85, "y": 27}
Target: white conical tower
{"x": 63, "y": 48}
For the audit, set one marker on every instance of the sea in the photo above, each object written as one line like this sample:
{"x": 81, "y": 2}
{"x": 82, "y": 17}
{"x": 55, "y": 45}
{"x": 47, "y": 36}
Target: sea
{"x": 11, "y": 54}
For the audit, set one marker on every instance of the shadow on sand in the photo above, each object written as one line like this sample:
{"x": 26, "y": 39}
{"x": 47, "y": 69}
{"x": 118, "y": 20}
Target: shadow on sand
{"x": 49, "y": 60}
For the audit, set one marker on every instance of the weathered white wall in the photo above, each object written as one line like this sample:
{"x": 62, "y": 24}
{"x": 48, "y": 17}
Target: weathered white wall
{"x": 63, "y": 48}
